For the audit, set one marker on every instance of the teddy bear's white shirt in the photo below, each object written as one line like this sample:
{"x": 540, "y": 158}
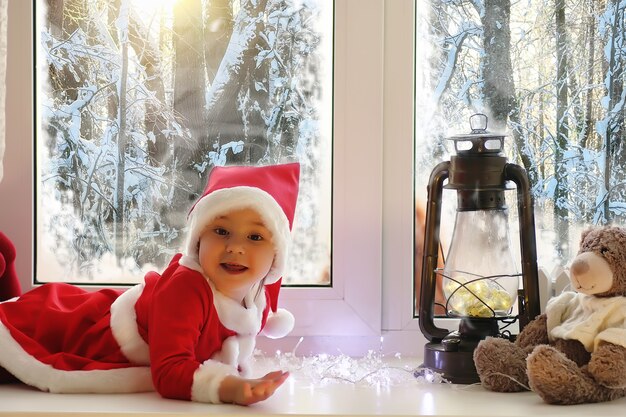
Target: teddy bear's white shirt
{"x": 587, "y": 318}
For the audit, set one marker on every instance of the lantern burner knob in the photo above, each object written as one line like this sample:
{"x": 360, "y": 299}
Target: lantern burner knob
{"x": 480, "y": 141}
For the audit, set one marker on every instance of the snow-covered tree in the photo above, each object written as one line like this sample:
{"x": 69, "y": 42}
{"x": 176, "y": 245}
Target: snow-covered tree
{"x": 565, "y": 114}
{"x": 138, "y": 107}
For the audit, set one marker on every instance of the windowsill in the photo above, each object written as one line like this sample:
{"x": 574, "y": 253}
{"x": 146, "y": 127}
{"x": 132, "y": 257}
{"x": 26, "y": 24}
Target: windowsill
{"x": 299, "y": 396}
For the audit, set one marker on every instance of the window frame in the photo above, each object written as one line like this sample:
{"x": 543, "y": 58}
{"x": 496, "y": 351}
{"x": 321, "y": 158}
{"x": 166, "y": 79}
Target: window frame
{"x": 391, "y": 76}
{"x": 352, "y": 306}
{"x": 398, "y": 189}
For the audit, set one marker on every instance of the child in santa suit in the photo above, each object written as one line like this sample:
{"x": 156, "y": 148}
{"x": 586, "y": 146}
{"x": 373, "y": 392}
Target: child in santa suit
{"x": 190, "y": 332}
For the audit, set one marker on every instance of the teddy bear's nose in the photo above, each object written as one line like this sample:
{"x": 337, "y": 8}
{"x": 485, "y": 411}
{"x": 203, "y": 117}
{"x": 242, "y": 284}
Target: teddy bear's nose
{"x": 579, "y": 267}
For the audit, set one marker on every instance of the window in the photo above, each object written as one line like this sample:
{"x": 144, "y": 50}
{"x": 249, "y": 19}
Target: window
{"x": 137, "y": 100}
{"x": 551, "y": 74}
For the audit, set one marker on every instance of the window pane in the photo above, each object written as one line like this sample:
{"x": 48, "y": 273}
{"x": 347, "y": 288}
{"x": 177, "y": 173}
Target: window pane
{"x": 136, "y": 102}
{"x": 551, "y": 74}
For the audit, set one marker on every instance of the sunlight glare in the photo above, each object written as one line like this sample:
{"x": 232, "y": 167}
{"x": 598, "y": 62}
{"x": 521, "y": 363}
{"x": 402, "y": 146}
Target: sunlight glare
{"x": 152, "y": 6}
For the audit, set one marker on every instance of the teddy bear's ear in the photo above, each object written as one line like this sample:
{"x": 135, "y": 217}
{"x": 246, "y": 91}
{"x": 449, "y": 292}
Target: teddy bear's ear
{"x": 585, "y": 233}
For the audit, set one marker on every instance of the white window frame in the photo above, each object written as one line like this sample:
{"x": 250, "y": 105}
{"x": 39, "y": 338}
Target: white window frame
{"x": 333, "y": 317}
{"x": 399, "y": 171}
{"x": 372, "y": 293}
{"x": 373, "y": 105}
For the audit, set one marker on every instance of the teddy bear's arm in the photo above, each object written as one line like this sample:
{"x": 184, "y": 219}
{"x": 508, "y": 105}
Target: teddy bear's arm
{"x": 533, "y": 334}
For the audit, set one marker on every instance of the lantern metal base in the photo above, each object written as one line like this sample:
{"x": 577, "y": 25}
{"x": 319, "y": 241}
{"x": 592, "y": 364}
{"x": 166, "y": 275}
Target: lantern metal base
{"x": 453, "y": 357}
{"x": 456, "y": 366}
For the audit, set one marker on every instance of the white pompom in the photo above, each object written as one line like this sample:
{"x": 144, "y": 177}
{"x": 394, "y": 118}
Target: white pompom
{"x": 278, "y": 324}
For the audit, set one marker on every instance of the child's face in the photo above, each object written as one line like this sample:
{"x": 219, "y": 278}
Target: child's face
{"x": 236, "y": 251}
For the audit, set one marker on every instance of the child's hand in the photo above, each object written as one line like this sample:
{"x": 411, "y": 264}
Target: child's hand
{"x": 242, "y": 391}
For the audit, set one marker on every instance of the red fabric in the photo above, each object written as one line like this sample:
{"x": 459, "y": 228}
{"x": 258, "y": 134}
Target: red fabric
{"x": 69, "y": 328}
{"x": 65, "y": 326}
{"x": 9, "y": 284}
{"x": 272, "y": 291}
{"x": 184, "y": 328}
{"x": 184, "y": 331}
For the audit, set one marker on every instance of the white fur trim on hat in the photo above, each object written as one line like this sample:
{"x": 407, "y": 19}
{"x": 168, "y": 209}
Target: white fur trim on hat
{"x": 224, "y": 200}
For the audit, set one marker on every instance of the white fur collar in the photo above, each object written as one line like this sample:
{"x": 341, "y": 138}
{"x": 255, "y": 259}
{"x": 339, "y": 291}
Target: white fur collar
{"x": 243, "y": 320}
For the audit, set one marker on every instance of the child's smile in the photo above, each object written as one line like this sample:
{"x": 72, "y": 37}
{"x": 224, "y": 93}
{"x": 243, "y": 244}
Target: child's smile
{"x": 233, "y": 268}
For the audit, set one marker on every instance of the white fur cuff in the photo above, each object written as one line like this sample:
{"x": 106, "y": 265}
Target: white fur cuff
{"x": 207, "y": 380}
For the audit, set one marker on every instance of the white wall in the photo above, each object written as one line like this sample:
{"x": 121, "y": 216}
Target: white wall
{"x": 16, "y": 186}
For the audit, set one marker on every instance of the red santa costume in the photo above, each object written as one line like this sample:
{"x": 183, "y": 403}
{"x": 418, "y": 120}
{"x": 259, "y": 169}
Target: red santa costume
{"x": 9, "y": 284}
{"x": 174, "y": 332}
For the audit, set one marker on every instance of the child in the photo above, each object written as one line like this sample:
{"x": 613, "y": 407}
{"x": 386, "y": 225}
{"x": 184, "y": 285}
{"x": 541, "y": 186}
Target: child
{"x": 188, "y": 333}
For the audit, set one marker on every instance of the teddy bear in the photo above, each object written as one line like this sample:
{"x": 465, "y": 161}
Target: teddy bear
{"x": 575, "y": 352}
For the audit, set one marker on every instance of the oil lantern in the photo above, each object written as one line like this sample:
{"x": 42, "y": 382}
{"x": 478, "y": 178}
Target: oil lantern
{"x": 481, "y": 277}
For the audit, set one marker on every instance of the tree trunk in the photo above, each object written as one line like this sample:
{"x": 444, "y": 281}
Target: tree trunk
{"x": 121, "y": 147}
{"x": 55, "y": 18}
{"x": 189, "y": 96}
{"x": 112, "y": 14}
{"x": 154, "y": 119}
{"x": 499, "y": 89}
{"x": 219, "y": 28}
{"x": 65, "y": 17}
{"x": 541, "y": 133}
{"x": 618, "y": 147}
{"x": 586, "y": 135}
{"x": 189, "y": 83}
{"x": 234, "y": 82}
{"x": 615, "y": 117}
{"x": 561, "y": 193}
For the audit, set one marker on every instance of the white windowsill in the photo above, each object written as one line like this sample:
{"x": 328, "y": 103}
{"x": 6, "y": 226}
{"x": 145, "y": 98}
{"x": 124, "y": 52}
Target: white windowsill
{"x": 300, "y": 397}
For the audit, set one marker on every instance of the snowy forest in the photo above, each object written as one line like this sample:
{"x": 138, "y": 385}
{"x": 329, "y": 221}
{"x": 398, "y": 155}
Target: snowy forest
{"x": 549, "y": 73}
{"x": 138, "y": 99}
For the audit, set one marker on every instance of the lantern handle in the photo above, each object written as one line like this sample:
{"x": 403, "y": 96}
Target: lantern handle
{"x": 529, "y": 304}
{"x": 431, "y": 249}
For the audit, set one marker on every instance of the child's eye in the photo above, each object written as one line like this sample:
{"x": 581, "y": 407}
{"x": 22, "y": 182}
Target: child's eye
{"x": 220, "y": 231}
{"x": 255, "y": 237}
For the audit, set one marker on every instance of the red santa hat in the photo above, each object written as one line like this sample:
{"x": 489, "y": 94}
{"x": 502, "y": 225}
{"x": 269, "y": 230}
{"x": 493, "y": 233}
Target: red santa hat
{"x": 270, "y": 190}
